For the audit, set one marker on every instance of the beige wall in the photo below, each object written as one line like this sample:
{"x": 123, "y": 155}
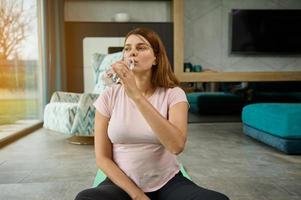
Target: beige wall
{"x": 206, "y": 36}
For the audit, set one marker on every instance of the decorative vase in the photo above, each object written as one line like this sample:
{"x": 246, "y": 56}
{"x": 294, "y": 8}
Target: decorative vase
{"x": 197, "y": 68}
{"x": 122, "y": 17}
{"x": 187, "y": 67}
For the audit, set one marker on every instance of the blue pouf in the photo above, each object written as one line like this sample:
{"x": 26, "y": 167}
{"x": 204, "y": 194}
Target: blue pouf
{"x": 193, "y": 101}
{"x": 276, "y": 124}
{"x": 211, "y": 103}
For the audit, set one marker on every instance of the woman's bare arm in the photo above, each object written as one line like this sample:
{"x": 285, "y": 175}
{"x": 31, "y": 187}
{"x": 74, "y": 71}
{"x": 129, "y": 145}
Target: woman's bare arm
{"x": 172, "y": 132}
{"x": 103, "y": 152}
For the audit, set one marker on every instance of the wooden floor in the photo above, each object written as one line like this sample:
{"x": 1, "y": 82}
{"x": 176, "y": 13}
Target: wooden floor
{"x": 43, "y": 166}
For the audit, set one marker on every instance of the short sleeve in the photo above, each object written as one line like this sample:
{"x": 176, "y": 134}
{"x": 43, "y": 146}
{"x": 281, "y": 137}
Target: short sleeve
{"x": 176, "y": 95}
{"x": 103, "y": 102}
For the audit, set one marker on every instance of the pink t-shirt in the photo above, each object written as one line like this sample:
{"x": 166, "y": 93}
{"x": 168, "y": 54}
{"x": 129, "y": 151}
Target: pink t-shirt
{"x": 136, "y": 148}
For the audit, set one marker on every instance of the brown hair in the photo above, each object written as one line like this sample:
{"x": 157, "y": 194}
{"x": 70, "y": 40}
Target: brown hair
{"x": 162, "y": 74}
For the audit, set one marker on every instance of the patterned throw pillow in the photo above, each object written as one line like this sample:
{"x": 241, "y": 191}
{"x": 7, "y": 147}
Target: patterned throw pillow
{"x": 96, "y": 61}
{"x": 104, "y": 65}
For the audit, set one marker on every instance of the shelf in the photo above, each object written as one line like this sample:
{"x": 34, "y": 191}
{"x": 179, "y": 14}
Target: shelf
{"x": 209, "y": 76}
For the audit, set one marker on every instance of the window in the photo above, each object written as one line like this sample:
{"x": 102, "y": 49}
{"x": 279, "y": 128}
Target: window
{"x": 20, "y": 102}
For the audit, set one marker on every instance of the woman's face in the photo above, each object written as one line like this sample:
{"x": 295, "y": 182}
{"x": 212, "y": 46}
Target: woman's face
{"x": 139, "y": 50}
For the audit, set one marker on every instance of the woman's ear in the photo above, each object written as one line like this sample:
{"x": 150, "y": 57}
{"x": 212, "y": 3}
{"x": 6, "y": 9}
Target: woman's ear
{"x": 155, "y": 62}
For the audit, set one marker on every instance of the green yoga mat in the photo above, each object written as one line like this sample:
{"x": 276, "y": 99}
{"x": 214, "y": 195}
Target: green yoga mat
{"x": 100, "y": 176}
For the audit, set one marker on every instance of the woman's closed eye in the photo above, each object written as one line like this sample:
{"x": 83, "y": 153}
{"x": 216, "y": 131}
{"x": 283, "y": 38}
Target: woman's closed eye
{"x": 126, "y": 49}
{"x": 138, "y": 48}
{"x": 142, "y": 48}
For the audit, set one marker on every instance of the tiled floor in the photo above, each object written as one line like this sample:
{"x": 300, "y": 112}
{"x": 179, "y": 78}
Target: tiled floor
{"x": 43, "y": 166}
{"x": 10, "y": 129}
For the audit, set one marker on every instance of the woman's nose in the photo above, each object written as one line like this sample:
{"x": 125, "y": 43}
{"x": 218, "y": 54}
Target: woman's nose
{"x": 133, "y": 52}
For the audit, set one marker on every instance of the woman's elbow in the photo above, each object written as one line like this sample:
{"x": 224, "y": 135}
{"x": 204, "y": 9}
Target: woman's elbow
{"x": 177, "y": 149}
{"x": 102, "y": 161}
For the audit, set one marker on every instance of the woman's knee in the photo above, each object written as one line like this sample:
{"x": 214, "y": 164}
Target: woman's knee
{"x": 83, "y": 195}
{"x": 92, "y": 194}
{"x": 211, "y": 195}
{"x": 105, "y": 192}
{"x": 221, "y": 196}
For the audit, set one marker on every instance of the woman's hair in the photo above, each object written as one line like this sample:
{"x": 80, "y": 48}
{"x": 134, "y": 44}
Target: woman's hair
{"x": 162, "y": 74}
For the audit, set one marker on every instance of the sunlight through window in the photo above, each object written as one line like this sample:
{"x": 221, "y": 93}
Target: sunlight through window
{"x": 19, "y": 65}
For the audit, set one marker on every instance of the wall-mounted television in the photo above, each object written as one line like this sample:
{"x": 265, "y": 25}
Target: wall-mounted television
{"x": 265, "y": 31}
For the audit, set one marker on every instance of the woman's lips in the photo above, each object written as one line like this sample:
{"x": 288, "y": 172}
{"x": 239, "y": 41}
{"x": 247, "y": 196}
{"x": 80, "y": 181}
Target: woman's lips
{"x": 132, "y": 63}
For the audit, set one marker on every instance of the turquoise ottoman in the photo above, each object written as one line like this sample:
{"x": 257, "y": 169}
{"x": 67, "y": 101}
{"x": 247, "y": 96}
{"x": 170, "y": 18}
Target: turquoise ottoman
{"x": 215, "y": 103}
{"x": 276, "y": 124}
{"x": 193, "y": 101}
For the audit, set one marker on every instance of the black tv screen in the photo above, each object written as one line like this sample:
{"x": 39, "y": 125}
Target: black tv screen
{"x": 265, "y": 31}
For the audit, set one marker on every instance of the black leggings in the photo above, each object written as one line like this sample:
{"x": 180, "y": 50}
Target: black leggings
{"x": 178, "y": 188}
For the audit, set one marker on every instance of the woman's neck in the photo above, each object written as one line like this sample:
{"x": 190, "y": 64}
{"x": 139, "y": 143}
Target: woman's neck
{"x": 145, "y": 86}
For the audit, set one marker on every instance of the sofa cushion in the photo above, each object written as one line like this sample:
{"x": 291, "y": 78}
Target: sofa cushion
{"x": 279, "y": 119}
{"x": 96, "y": 61}
{"x": 59, "y": 116}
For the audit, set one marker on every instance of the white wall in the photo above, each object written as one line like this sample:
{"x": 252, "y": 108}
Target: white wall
{"x": 139, "y": 11}
{"x": 206, "y": 31}
{"x": 93, "y": 45}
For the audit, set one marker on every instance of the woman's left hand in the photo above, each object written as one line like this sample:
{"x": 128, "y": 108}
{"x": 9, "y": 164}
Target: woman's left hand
{"x": 127, "y": 79}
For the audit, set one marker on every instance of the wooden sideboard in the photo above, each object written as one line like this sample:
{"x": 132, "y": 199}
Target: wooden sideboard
{"x": 210, "y": 76}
